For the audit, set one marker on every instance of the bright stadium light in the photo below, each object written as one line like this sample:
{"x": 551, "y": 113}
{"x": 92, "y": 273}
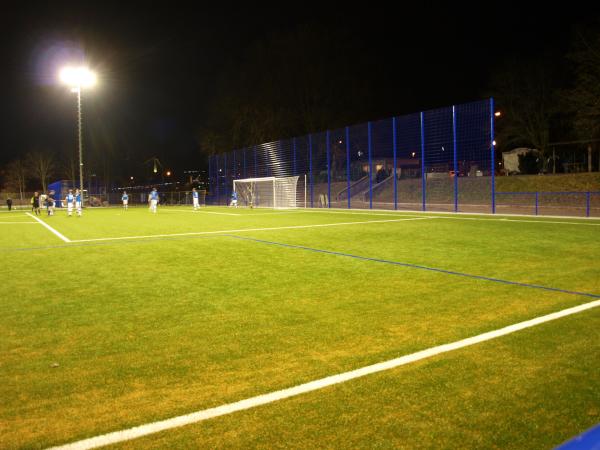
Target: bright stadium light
{"x": 77, "y": 78}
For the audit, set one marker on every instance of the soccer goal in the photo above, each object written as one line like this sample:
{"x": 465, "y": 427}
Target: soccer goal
{"x": 268, "y": 192}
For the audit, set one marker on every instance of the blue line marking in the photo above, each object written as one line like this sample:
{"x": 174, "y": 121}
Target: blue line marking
{"x": 588, "y": 440}
{"x": 416, "y": 266}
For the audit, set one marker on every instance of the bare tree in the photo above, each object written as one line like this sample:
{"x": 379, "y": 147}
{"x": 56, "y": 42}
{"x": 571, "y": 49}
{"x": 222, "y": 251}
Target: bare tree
{"x": 41, "y": 166}
{"x": 525, "y": 94}
{"x": 583, "y": 100}
{"x": 211, "y": 142}
{"x": 69, "y": 167}
{"x": 16, "y": 176}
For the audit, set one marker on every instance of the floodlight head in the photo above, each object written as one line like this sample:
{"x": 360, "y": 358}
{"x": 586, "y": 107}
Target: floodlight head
{"x": 77, "y": 77}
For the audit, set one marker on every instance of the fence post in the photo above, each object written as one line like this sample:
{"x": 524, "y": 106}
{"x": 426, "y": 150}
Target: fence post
{"x": 588, "y": 196}
{"x": 455, "y": 159}
{"x": 266, "y": 163}
{"x": 328, "y": 150}
{"x": 423, "y": 181}
{"x": 348, "y": 166}
{"x": 493, "y": 155}
{"x": 210, "y": 186}
{"x": 370, "y": 167}
{"x": 225, "y": 177}
{"x": 217, "y": 183}
{"x": 395, "y": 148}
{"x": 294, "y": 153}
{"x": 234, "y": 174}
{"x": 536, "y": 202}
{"x": 310, "y": 171}
{"x": 244, "y": 162}
{"x": 255, "y": 164}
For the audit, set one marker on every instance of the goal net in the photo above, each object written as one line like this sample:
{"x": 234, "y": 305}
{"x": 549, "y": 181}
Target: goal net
{"x": 268, "y": 192}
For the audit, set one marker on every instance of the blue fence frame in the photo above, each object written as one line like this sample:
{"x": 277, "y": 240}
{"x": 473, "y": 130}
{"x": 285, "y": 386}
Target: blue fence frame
{"x": 435, "y": 160}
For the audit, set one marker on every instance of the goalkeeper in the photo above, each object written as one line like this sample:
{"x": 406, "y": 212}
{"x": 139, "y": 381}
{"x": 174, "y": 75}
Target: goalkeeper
{"x": 233, "y": 199}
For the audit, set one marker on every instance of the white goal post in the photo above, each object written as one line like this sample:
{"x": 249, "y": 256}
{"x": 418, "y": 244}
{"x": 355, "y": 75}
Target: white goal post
{"x": 267, "y": 192}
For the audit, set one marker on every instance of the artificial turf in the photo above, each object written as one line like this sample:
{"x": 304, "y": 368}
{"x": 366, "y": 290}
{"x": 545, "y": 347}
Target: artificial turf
{"x": 103, "y": 334}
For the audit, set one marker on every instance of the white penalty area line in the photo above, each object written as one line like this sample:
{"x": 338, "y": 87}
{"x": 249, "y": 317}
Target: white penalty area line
{"x": 198, "y": 416}
{"x": 50, "y": 228}
{"x": 242, "y": 230}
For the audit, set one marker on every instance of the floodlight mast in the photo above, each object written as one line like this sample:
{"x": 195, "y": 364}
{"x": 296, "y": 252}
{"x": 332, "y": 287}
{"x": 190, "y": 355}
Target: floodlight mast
{"x": 76, "y": 79}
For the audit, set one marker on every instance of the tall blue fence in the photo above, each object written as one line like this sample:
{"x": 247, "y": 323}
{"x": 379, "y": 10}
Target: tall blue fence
{"x": 437, "y": 160}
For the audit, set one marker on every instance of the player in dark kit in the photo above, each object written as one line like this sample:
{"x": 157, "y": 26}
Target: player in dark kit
{"x": 35, "y": 203}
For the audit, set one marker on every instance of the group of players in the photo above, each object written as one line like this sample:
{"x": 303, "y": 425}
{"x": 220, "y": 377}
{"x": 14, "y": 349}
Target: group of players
{"x": 153, "y": 199}
{"x": 48, "y": 201}
{"x": 73, "y": 201}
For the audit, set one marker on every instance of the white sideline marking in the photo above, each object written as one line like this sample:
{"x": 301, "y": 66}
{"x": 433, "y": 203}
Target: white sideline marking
{"x": 278, "y": 213}
{"x": 439, "y": 215}
{"x": 394, "y": 214}
{"x": 197, "y": 233}
{"x": 434, "y": 215}
{"x": 198, "y": 416}
{"x": 201, "y": 211}
{"x": 49, "y": 228}
{"x": 497, "y": 216}
{"x": 521, "y": 220}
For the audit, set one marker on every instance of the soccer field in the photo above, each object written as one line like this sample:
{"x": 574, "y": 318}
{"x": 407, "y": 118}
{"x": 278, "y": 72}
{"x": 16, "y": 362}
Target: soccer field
{"x": 120, "y": 319}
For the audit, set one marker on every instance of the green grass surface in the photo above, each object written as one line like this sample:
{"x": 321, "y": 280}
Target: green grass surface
{"x": 101, "y": 335}
{"x": 580, "y": 182}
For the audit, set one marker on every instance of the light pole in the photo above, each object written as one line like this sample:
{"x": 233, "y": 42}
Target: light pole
{"x": 77, "y": 78}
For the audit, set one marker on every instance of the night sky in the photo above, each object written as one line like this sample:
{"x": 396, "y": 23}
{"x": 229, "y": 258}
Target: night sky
{"x": 158, "y": 68}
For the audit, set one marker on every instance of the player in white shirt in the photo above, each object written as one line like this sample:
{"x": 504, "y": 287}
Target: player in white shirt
{"x": 70, "y": 201}
{"x": 78, "y": 202}
{"x": 125, "y": 199}
{"x": 153, "y": 200}
{"x": 196, "y": 199}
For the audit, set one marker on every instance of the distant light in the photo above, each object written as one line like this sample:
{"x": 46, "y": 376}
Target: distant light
{"x": 168, "y": 173}
{"x": 131, "y": 178}
{"x": 494, "y": 142}
{"x": 340, "y": 141}
{"x": 497, "y": 114}
{"x": 413, "y": 154}
{"x": 78, "y": 77}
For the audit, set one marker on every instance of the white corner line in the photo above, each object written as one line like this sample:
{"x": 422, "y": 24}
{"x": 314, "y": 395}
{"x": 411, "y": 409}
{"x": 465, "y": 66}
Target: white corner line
{"x": 66, "y": 239}
{"x": 242, "y": 230}
{"x": 198, "y": 416}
